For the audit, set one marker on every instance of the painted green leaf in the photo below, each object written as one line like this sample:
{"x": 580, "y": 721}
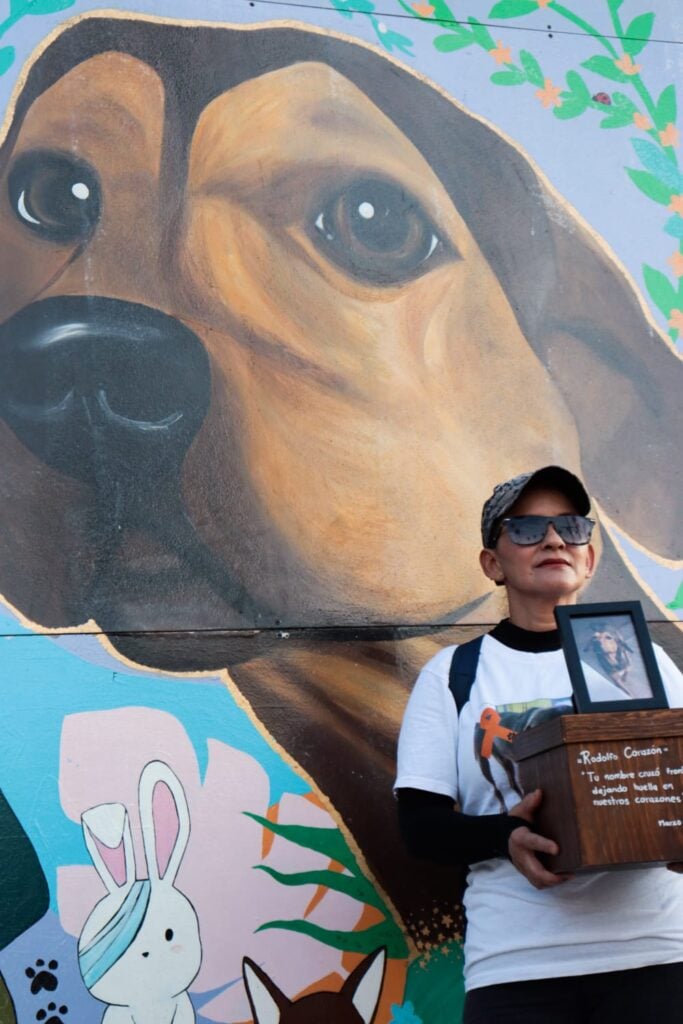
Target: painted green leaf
{"x": 393, "y": 40}
{"x": 512, "y": 77}
{"x": 481, "y": 34}
{"x": 661, "y": 290}
{"x": 571, "y": 107}
{"x": 18, "y": 8}
{"x": 606, "y": 67}
{"x": 6, "y": 58}
{"x": 620, "y": 113}
{"x": 356, "y": 887}
{"x": 328, "y": 841}
{"x": 677, "y": 602}
{"x": 532, "y": 68}
{"x": 617, "y": 119}
{"x": 674, "y": 227}
{"x": 512, "y": 8}
{"x": 441, "y": 11}
{"x": 658, "y": 163}
{"x": 651, "y": 186}
{"x": 578, "y": 86}
{"x": 666, "y": 107}
{"x": 638, "y": 33}
{"x": 614, "y": 5}
{"x": 450, "y": 42}
{"x": 365, "y": 941}
{"x": 341, "y": 6}
{"x": 347, "y": 8}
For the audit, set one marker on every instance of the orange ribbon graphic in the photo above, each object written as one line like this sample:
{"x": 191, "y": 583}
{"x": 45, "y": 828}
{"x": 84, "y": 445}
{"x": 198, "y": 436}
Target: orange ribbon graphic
{"x": 489, "y": 722}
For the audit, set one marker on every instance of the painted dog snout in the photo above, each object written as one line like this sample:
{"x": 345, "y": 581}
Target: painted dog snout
{"x": 112, "y": 394}
{"x": 102, "y": 389}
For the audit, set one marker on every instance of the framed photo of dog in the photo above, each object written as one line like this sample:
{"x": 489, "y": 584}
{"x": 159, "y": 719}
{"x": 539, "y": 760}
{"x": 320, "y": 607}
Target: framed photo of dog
{"x": 610, "y": 657}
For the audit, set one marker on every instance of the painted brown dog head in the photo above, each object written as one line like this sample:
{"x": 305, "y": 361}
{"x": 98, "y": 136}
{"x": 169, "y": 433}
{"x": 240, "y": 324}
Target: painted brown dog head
{"x": 355, "y": 1003}
{"x": 274, "y": 316}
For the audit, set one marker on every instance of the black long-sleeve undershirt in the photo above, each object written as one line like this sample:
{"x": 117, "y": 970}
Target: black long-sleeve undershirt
{"x": 432, "y": 830}
{"x": 430, "y": 826}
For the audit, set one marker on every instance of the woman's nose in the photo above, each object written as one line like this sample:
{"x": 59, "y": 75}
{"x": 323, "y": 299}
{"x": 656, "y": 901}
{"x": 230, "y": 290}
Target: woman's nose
{"x": 552, "y": 537}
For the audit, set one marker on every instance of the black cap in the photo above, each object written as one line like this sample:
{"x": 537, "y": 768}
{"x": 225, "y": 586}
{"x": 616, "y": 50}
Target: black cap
{"x": 506, "y": 494}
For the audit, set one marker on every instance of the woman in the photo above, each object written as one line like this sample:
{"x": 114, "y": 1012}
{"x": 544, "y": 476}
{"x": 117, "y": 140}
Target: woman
{"x": 541, "y": 948}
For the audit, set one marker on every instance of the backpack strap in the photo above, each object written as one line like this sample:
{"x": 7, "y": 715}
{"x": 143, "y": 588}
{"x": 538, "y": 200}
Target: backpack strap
{"x": 463, "y": 671}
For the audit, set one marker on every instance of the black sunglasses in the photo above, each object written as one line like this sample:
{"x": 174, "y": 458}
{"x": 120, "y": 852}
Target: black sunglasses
{"x": 527, "y": 530}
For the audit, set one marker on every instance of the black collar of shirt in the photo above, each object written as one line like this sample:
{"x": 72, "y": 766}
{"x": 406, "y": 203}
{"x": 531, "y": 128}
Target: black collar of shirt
{"x": 526, "y": 639}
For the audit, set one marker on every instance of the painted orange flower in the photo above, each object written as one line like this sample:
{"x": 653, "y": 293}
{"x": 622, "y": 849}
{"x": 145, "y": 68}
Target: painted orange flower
{"x": 425, "y": 10}
{"x": 642, "y": 121}
{"x": 670, "y": 136}
{"x": 676, "y": 204}
{"x": 549, "y": 95}
{"x": 501, "y": 54}
{"x": 626, "y": 65}
{"x": 676, "y": 319}
{"x": 542, "y": 3}
{"x": 676, "y": 263}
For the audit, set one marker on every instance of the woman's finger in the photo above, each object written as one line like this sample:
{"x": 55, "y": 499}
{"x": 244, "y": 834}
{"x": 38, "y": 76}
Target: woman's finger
{"x": 524, "y": 846}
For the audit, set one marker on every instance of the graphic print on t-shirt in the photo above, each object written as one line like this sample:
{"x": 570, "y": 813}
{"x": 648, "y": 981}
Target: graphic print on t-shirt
{"x": 496, "y": 729}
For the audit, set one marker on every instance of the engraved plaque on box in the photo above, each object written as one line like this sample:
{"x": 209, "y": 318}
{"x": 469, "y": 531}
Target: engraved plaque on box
{"x": 612, "y": 785}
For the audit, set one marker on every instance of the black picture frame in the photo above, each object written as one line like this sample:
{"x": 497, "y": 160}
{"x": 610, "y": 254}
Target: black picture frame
{"x": 610, "y": 658}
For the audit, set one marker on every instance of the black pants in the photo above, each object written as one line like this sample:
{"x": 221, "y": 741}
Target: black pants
{"x": 641, "y": 996}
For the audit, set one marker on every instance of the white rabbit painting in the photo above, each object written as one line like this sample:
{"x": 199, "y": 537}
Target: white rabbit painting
{"x": 140, "y": 950}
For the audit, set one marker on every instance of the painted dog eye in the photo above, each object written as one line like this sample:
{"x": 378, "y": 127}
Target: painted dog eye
{"x": 55, "y": 195}
{"x": 377, "y": 232}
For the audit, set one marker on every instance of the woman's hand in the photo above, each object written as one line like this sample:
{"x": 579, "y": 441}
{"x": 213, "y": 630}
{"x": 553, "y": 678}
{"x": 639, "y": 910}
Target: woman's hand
{"x": 525, "y": 845}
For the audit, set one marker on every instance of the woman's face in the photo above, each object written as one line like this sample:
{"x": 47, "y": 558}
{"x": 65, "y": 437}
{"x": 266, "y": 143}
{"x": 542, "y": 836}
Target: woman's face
{"x": 550, "y": 569}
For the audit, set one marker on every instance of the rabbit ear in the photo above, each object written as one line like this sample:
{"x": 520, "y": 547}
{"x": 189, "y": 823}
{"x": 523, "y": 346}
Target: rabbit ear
{"x": 266, "y": 1000}
{"x": 364, "y": 984}
{"x": 156, "y": 830}
{"x": 106, "y": 827}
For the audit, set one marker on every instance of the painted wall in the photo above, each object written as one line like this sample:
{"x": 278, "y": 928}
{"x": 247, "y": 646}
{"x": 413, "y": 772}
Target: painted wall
{"x": 284, "y": 291}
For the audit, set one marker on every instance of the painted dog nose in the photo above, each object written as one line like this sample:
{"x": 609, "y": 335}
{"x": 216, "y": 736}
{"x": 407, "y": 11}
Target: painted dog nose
{"x": 97, "y": 386}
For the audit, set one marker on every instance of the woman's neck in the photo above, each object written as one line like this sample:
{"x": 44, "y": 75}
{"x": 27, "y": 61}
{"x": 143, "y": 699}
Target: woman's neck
{"x": 536, "y": 614}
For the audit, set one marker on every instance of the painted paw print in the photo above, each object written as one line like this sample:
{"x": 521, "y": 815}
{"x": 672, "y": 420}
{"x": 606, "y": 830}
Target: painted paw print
{"x": 52, "y": 1009}
{"x": 41, "y": 979}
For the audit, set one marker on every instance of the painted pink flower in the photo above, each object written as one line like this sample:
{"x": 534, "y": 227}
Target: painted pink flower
{"x": 102, "y": 756}
{"x": 625, "y": 63}
{"x": 670, "y": 136}
{"x": 501, "y": 54}
{"x": 549, "y": 95}
{"x": 642, "y": 121}
{"x": 676, "y": 319}
{"x": 676, "y": 263}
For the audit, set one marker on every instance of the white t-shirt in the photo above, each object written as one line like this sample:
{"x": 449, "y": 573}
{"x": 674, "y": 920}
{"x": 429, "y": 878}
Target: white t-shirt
{"x": 596, "y": 922}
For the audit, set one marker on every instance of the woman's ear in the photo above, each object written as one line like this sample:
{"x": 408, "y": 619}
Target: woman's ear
{"x": 490, "y": 565}
{"x": 590, "y": 561}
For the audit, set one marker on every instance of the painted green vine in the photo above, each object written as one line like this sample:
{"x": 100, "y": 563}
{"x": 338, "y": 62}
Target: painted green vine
{"x": 630, "y": 105}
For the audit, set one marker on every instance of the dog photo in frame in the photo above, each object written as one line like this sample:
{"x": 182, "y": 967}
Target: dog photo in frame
{"x": 609, "y": 655}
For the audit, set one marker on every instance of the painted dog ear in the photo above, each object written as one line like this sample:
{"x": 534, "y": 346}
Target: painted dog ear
{"x": 622, "y": 381}
{"x": 618, "y": 375}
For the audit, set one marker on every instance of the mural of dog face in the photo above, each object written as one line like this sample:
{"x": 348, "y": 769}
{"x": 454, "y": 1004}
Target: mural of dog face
{"x": 275, "y": 316}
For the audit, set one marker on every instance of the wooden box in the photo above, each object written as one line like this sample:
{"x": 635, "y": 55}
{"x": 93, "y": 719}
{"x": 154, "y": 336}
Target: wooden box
{"x": 612, "y": 787}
